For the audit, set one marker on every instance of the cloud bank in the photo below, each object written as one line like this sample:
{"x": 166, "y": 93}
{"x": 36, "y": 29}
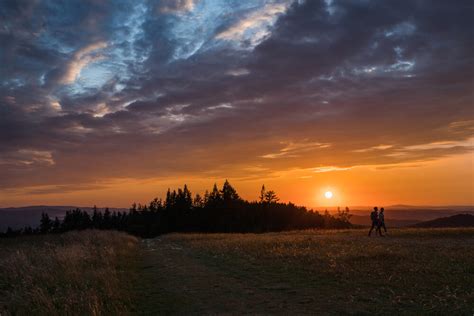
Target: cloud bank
{"x": 95, "y": 90}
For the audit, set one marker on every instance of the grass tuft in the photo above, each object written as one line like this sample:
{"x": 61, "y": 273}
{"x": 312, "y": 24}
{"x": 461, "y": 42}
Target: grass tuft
{"x": 73, "y": 273}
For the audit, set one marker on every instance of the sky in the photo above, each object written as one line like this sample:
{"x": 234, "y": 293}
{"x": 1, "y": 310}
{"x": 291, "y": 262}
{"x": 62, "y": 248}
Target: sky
{"x": 112, "y": 102}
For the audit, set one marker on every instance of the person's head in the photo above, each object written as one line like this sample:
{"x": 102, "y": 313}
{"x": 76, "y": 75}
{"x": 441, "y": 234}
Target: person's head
{"x": 376, "y": 209}
{"x": 381, "y": 210}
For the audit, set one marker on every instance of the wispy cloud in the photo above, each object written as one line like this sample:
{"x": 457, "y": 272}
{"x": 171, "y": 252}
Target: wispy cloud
{"x": 330, "y": 169}
{"x": 81, "y": 59}
{"x": 254, "y": 27}
{"x": 469, "y": 143}
{"x": 27, "y": 157}
{"x": 373, "y": 148}
{"x": 295, "y": 149}
{"x": 176, "y": 6}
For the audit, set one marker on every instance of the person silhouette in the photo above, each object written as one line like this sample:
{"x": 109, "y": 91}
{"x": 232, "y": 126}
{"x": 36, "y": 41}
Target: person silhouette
{"x": 374, "y": 217}
{"x": 381, "y": 222}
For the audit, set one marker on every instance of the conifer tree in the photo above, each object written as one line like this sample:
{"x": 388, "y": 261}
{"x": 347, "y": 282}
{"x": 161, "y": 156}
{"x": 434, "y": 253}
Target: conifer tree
{"x": 271, "y": 197}
{"x": 168, "y": 203}
{"x": 96, "y": 218}
{"x": 188, "y": 200}
{"x": 214, "y": 196}
{"x": 56, "y": 225}
{"x": 262, "y": 194}
{"x": 107, "y": 218}
{"x": 46, "y": 223}
{"x": 198, "y": 201}
{"x": 228, "y": 193}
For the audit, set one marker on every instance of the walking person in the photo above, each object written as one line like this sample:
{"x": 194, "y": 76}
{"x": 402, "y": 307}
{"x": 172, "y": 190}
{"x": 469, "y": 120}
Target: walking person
{"x": 382, "y": 222}
{"x": 375, "y": 220}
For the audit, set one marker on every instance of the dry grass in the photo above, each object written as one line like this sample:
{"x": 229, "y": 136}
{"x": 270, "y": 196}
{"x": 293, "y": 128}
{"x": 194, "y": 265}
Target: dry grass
{"x": 75, "y": 273}
{"x": 412, "y": 271}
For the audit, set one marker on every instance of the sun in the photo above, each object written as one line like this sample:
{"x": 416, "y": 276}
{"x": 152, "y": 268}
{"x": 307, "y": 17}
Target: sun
{"x": 328, "y": 195}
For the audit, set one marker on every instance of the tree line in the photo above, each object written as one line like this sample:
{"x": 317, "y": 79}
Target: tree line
{"x": 220, "y": 210}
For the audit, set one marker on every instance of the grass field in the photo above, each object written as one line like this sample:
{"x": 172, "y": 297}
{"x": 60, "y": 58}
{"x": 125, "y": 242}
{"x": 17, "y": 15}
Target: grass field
{"x": 412, "y": 271}
{"x": 76, "y": 273}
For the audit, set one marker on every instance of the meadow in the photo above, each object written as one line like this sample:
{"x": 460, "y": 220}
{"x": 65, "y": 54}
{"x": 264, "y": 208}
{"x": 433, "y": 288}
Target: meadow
{"x": 411, "y": 271}
{"x": 76, "y": 273}
{"x": 324, "y": 272}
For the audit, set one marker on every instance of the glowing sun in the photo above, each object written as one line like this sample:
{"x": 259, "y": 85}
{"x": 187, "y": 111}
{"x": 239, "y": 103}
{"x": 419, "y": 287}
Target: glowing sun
{"x": 328, "y": 194}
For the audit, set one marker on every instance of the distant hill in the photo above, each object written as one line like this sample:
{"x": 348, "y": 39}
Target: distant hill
{"x": 405, "y": 215}
{"x": 364, "y": 220}
{"x": 19, "y": 217}
{"x": 414, "y": 214}
{"x": 459, "y": 220}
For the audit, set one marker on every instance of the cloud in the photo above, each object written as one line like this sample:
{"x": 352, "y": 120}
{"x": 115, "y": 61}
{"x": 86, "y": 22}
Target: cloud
{"x": 27, "y": 158}
{"x": 238, "y": 72}
{"x": 81, "y": 59}
{"x": 279, "y": 85}
{"x": 176, "y": 6}
{"x": 254, "y": 27}
{"x": 378, "y": 147}
{"x": 441, "y": 145}
{"x": 61, "y": 189}
{"x": 330, "y": 169}
{"x": 296, "y": 149}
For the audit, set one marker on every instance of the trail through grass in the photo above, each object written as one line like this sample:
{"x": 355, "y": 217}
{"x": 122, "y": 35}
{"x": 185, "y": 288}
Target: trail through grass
{"x": 412, "y": 271}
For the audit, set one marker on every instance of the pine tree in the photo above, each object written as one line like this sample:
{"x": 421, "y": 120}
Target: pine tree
{"x": 56, "y": 225}
{"x": 206, "y": 197}
{"x": 271, "y": 197}
{"x": 214, "y": 196}
{"x": 46, "y": 223}
{"x": 188, "y": 200}
{"x": 155, "y": 205}
{"x": 262, "y": 194}
{"x": 228, "y": 193}
{"x": 198, "y": 201}
{"x": 107, "y": 219}
{"x": 96, "y": 218}
{"x": 168, "y": 203}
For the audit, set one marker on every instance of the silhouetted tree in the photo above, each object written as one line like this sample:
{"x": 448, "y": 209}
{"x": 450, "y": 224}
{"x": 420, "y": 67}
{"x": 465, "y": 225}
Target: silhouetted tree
{"x": 155, "y": 205}
{"x": 107, "y": 219}
{"x": 344, "y": 215}
{"x": 219, "y": 211}
{"x": 270, "y": 197}
{"x": 96, "y": 218}
{"x": 45, "y": 224}
{"x": 214, "y": 197}
{"x": 206, "y": 197}
{"x": 228, "y": 193}
{"x": 198, "y": 201}
{"x": 262, "y": 194}
{"x": 56, "y": 225}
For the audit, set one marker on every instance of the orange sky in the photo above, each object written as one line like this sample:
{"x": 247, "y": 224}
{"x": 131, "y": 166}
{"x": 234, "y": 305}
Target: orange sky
{"x": 446, "y": 181}
{"x": 370, "y": 100}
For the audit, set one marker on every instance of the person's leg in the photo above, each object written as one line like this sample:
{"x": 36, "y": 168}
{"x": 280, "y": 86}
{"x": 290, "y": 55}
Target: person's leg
{"x": 371, "y": 228}
{"x": 379, "y": 229}
{"x": 384, "y": 228}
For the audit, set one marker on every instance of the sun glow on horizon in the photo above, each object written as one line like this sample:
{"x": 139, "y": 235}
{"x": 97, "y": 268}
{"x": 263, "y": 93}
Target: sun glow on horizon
{"x": 328, "y": 195}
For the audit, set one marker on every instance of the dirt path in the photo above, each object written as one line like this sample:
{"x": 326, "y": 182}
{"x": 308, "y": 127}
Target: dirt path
{"x": 306, "y": 273}
{"x": 179, "y": 280}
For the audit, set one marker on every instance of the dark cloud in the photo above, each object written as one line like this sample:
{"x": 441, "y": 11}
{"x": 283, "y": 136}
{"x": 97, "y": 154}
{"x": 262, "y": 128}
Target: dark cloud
{"x": 131, "y": 89}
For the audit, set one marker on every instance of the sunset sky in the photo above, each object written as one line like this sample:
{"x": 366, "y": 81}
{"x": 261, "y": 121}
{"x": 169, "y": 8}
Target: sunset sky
{"x": 112, "y": 102}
